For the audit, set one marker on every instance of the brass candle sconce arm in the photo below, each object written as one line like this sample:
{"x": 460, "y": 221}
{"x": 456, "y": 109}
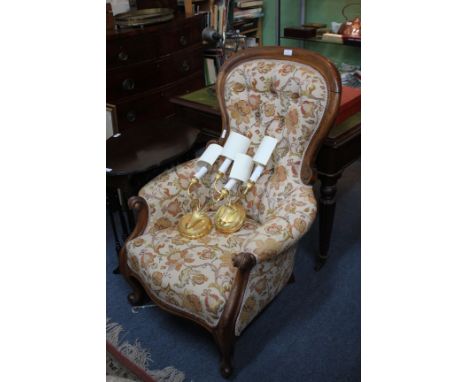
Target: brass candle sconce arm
{"x": 248, "y": 186}
{"x": 219, "y": 177}
{"x": 195, "y": 224}
{"x": 193, "y": 182}
{"x": 230, "y": 217}
{"x": 221, "y": 195}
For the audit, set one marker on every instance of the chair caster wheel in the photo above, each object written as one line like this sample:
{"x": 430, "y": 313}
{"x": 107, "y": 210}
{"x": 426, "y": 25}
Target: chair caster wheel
{"x": 320, "y": 262}
{"x": 226, "y": 371}
{"x": 134, "y": 298}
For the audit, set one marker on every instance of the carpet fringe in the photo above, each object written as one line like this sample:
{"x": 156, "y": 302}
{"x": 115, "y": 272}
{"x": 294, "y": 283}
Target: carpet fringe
{"x": 139, "y": 355}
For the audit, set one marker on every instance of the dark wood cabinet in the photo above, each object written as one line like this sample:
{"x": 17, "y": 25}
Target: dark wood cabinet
{"x": 147, "y": 107}
{"x": 145, "y": 67}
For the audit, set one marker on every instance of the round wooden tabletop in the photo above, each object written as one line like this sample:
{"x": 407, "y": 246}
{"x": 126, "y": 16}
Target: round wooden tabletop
{"x": 144, "y": 148}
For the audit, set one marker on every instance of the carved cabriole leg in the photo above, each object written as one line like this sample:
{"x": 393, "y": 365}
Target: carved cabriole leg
{"x": 135, "y": 297}
{"x": 141, "y": 207}
{"x": 326, "y": 215}
{"x": 224, "y": 333}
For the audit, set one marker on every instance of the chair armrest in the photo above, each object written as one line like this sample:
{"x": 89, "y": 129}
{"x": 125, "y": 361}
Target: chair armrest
{"x": 166, "y": 196}
{"x": 283, "y": 227}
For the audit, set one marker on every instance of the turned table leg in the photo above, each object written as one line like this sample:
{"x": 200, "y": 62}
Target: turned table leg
{"x": 111, "y": 207}
{"x": 114, "y": 232}
{"x": 326, "y": 214}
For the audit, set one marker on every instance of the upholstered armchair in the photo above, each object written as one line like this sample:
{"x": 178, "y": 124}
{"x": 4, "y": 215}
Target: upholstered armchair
{"x": 223, "y": 281}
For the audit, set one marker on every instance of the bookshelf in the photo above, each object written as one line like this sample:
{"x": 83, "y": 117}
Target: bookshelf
{"x": 192, "y": 7}
{"x": 220, "y": 11}
{"x": 355, "y": 44}
{"x": 248, "y": 19}
{"x": 226, "y": 16}
{"x": 251, "y": 28}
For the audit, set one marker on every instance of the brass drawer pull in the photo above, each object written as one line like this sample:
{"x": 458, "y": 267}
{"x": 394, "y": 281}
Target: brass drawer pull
{"x": 185, "y": 66}
{"x": 123, "y": 56}
{"x": 131, "y": 116}
{"x": 128, "y": 84}
{"x": 183, "y": 40}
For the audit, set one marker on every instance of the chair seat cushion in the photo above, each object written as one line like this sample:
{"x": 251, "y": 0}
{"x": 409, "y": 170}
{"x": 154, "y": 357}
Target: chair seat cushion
{"x": 195, "y": 276}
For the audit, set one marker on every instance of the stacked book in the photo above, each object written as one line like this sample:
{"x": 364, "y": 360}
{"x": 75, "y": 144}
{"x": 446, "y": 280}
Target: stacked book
{"x": 212, "y": 63}
{"x": 218, "y": 16}
{"x": 228, "y": 15}
{"x": 248, "y": 9}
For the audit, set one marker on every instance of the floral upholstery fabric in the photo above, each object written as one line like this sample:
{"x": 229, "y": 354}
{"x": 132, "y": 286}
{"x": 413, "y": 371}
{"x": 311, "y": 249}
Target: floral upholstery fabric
{"x": 167, "y": 197}
{"x": 195, "y": 276}
{"x": 279, "y": 98}
{"x": 265, "y": 281}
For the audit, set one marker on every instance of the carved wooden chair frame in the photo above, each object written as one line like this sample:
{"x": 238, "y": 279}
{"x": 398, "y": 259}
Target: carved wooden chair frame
{"x": 223, "y": 332}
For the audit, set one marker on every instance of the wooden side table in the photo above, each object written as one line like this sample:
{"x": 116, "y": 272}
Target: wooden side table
{"x": 341, "y": 148}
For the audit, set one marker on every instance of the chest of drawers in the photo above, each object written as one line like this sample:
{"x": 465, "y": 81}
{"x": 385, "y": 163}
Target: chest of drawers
{"x": 145, "y": 67}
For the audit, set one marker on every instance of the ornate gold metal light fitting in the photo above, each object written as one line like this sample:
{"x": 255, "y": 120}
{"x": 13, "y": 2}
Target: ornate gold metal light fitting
{"x": 197, "y": 223}
{"x": 231, "y": 217}
{"x": 235, "y": 143}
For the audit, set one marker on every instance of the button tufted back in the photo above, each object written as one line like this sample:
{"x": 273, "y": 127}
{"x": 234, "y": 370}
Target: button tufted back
{"x": 283, "y": 99}
{"x": 262, "y": 92}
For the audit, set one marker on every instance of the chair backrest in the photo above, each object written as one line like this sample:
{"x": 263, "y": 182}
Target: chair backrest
{"x": 290, "y": 94}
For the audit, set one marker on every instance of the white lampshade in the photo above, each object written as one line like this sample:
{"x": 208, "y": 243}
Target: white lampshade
{"x": 265, "y": 149}
{"x": 242, "y": 167}
{"x": 236, "y": 143}
{"x": 207, "y": 159}
{"x": 210, "y": 155}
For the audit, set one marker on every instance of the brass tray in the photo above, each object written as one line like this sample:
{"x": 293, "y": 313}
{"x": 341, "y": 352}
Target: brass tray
{"x": 143, "y": 17}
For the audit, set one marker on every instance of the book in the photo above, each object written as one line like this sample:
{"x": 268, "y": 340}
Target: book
{"x": 217, "y": 61}
{"x": 219, "y": 18}
{"x": 247, "y": 13}
{"x": 244, "y": 25}
{"x": 250, "y": 4}
{"x": 210, "y": 71}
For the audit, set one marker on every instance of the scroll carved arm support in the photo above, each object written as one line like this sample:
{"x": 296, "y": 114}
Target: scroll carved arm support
{"x": 138, "y": 204}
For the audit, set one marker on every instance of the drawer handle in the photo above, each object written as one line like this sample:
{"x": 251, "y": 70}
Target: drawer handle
{"x": 128, "y": 84}
{"x": 123, "y": 56}
{"x": 131, "y": 116}
{"x": 185, "y": 66}
{"x": 183, "y": 40}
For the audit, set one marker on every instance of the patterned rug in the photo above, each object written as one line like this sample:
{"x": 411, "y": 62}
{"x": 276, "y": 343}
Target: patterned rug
{"x": 130, "y": 362}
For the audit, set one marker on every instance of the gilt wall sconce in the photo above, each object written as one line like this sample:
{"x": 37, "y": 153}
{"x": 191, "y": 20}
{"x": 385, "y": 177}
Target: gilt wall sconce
{"x": 231, "y": 216}
{"x": 236, "y": 143}
{"x": 197, "y": 224}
